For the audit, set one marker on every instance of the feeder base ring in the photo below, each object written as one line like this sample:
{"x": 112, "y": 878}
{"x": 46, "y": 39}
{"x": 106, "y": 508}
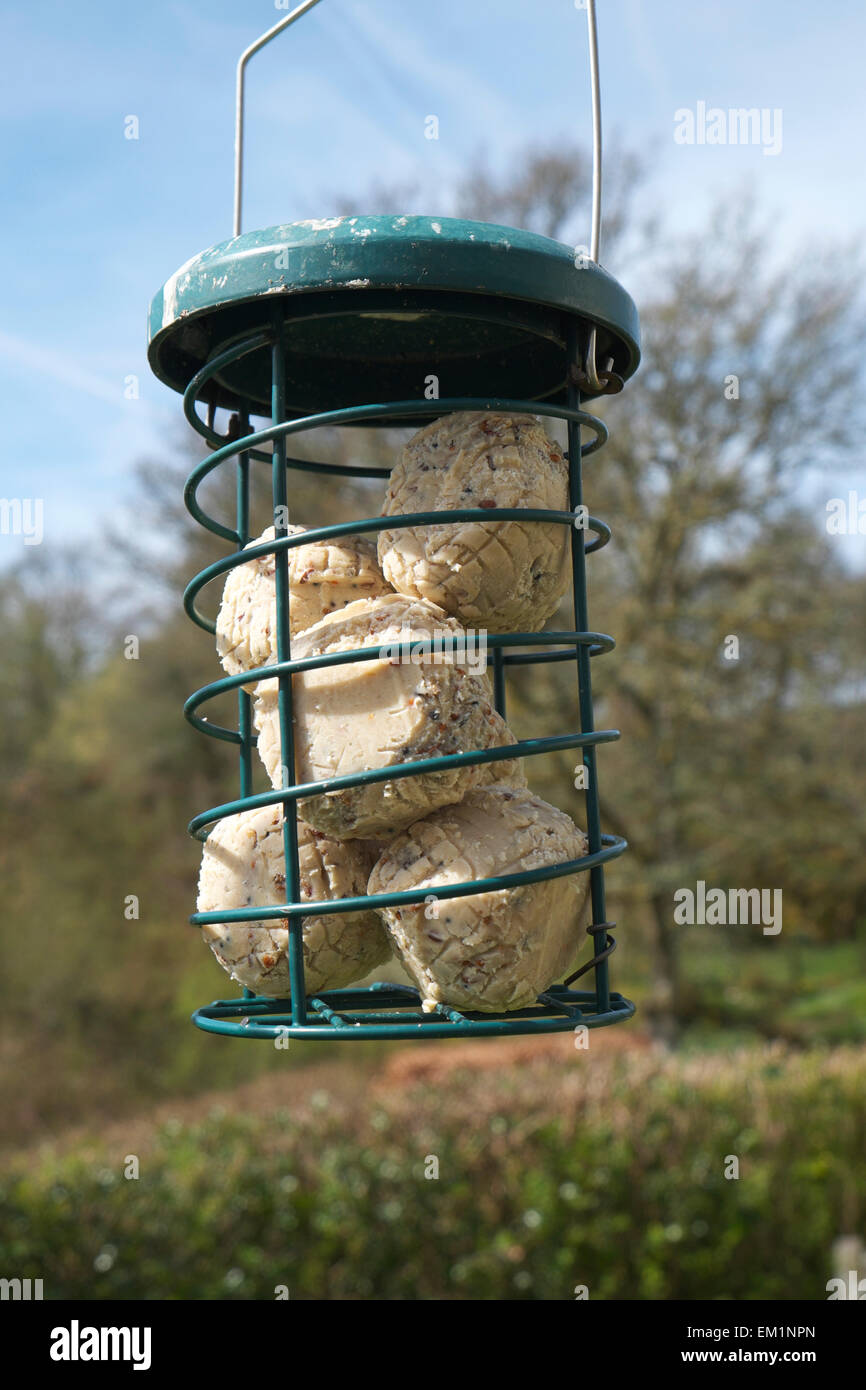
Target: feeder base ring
{"x": 386, "y": 1011}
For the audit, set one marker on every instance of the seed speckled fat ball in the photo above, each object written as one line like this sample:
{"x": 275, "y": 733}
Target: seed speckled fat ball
{"x": 323, "y": 576}
{"x": 243, "y": 865}
{"x": 381, "y": 713}
{"x": 505, "y": 772}
{"x": 506, "y": 576}
{"x": 493, "y": 951}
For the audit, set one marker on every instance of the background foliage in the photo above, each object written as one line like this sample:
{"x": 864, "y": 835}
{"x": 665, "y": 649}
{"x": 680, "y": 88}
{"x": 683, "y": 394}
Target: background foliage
{"x": 607, "y": 1173}
{"x": 746, "y": 773}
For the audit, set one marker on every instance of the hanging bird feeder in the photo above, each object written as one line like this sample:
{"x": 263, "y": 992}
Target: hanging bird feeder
{"x": 340, "y": 322}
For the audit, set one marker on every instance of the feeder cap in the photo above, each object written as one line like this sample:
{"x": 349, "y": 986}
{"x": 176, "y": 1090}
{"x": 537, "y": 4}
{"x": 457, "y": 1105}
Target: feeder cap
{"x": 373, "y": 305}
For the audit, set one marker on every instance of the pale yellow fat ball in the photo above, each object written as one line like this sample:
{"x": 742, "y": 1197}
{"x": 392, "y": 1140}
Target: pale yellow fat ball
{"x": 505, "y": 576}
{"x": 323, "y": 577}
{"x": 493, "y": 951}
{"x": 243, "y": 865}
{"x": 382, "y": 713}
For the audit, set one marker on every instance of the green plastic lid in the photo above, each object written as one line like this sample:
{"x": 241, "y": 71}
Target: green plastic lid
{"x": 374, "y": 306}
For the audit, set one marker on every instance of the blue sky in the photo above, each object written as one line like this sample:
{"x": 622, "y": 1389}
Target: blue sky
{"x": 94, "y": 223}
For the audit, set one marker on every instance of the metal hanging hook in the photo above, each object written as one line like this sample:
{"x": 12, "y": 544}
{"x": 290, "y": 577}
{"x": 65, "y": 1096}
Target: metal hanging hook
{"x": 239, "y": 101}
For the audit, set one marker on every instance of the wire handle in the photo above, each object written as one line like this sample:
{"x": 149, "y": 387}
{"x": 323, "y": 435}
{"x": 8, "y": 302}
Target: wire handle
{"x": 596, "y": 384}
{"x": 300, "y": 10}
{"x": 595, "y": 238}
{"x": 239, "y": 101}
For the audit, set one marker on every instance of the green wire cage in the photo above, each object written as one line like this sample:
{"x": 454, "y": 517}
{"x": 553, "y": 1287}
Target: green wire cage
{"x": 338, "y": 323}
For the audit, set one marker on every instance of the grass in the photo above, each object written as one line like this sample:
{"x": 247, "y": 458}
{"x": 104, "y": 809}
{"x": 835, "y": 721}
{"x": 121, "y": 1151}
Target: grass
{"x": 737, "y": 989}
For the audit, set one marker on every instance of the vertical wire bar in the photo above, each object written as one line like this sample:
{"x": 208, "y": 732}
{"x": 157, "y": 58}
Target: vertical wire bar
{"x": 245, "y": 724}
{"x": 284, "y": 699}
{"x": 584, "y": 685}
{"x": 499, "y": 680}
{"x": 242, "y": 518}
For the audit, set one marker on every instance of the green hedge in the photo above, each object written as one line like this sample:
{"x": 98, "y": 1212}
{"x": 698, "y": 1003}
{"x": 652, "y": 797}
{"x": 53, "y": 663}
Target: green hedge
{"x": 605, "y": 1171}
